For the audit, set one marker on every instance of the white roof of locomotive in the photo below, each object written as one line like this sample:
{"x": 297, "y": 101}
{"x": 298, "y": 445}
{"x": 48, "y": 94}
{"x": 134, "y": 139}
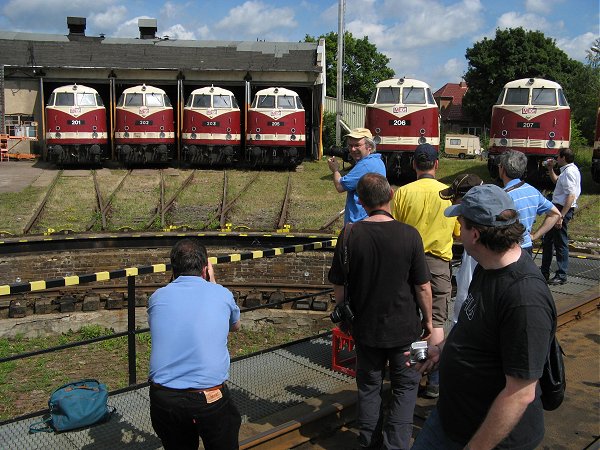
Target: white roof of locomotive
{"x": 532, "y": 82}
{"x": 276, "y": 91}
{"x": 79, "y": 88}
{"x": 143, "y": 89}
{"x": 208, "y": 90}
{"x": 402, "y": 82}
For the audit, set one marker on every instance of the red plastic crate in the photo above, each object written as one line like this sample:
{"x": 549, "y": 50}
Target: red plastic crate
{"x": 343, "y": 356}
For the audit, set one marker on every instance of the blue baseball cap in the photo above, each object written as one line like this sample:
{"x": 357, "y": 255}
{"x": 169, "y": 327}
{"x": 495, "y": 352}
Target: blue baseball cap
{"x": 483, "y": 205}
{"x": 425, "y": 152}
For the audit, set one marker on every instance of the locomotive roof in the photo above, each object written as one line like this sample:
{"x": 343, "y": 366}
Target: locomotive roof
{"x": 59, "y": 51}
{"x": 276, "y": 91}
{"x": 212, "y": 90}
{"x": 79, "y": 88}
{"x": 394, "y": 82}
{"x": 143, "y": 88}
{"x": 532, "y": 82}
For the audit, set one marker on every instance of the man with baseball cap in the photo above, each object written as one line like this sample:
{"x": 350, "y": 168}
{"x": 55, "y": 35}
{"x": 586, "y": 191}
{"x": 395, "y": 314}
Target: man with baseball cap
{"x": 419, "y": 204}
{"x": 362, "y": 150}
{"x": 493, "y": 357}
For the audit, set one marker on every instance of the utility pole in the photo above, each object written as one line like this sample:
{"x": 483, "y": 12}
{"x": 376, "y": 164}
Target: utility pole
{"x": 340, "y": 74}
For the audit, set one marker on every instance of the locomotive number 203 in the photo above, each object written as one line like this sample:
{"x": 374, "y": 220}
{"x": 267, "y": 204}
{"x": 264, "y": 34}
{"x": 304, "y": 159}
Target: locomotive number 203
{"x": 399, "y": 122}
{"x": 210, "y": 123}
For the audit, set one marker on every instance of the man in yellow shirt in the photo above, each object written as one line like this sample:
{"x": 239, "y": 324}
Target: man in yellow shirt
{"x": 419, "y": 204}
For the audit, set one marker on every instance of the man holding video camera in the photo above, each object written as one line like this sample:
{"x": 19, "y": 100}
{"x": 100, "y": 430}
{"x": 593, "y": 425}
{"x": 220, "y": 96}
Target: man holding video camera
{"x": 361, "y": 148}
{"x": 387, "y": 290}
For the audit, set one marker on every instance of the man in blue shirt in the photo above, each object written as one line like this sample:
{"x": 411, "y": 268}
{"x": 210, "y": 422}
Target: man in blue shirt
{"x": 362, "y": 149}
{"x": 190, "y": 319}
{"x": 529, "y": 202}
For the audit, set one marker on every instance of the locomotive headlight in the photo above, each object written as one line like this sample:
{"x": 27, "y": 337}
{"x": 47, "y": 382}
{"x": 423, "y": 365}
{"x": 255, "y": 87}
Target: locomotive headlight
{"x": 551, "y": 144}
{"x": 57, "y": 127}
{"x": 504, "y": 133}
{"x": 377, "y": 130}
{"x": 503, "y": 142}
{"x": 126, "y": 128}
{"x": 94, "y": 135}
{"x": 293, "y": 137}
{"x": 257, "y": 137}
{"x": 193, "y": 128}
{"x": 57, "y": 135}
{"x": 228, "y": 129}
{"x": 228, "y": 136}
{"x": 422, "y": 131}
{"x": 258, "y": 130}
{"x": 161, "y": 135}
{"x": 193, "y": 136}
{"x": 422, "y": 140}
{"x": 377, "y": 140}
{"x": 94, "y": 128}
{"x": 552, "y": 134}
{"x": 162, "y": 128}
{"x": 293, "y": 130}
{"x": 126, "y": 134}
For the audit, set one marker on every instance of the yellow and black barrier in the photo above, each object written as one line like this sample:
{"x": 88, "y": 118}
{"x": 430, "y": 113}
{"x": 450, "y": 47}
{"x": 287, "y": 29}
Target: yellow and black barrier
{"x": 20, "y": 288}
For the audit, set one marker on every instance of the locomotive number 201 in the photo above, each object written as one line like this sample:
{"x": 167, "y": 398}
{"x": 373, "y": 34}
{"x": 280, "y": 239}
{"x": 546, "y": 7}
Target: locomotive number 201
{"x": 399, "y": 122}
{"x": 76, "y": 122}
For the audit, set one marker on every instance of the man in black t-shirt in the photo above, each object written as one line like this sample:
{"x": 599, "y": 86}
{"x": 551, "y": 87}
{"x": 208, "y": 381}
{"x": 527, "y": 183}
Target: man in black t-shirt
{"x": 493, "y": 357}
{"x": 388, "y": 290}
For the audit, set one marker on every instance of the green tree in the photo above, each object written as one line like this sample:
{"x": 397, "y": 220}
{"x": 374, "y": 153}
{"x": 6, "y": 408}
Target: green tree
{"x": 364, "y": 66}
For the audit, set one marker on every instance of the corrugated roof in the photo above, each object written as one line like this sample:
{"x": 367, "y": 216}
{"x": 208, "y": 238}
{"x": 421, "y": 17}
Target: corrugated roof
{"x": 43, "y": 50}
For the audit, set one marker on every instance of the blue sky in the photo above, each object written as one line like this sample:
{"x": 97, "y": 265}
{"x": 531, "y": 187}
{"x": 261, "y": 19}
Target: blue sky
{"x": 425, "y": 39}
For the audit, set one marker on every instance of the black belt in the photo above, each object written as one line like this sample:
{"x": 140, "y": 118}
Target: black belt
{"x": 166, "y": 388}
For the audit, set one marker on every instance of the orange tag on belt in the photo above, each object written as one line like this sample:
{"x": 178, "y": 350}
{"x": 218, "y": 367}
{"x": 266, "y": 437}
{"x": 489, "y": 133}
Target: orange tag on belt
{"x": 213, "y": 396}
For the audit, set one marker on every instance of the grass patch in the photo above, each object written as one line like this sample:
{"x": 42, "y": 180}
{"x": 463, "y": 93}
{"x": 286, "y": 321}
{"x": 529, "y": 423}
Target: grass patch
{"x": 198, "y": 205}
{"x": 16, "y": 208}
{"x": 136, "y": 201}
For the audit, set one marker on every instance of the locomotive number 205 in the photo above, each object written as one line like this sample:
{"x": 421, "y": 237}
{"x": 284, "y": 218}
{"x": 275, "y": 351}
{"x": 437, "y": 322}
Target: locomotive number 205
{"x": 399, "y": 122}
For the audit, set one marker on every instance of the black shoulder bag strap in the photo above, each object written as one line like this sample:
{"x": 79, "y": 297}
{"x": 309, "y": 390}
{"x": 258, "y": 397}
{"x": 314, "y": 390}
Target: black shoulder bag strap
{"x": 345, "y": 257}
{"x": 512, "y": 188}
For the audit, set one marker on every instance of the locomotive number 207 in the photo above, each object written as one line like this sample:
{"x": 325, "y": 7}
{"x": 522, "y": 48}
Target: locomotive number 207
{"x": 399, "y": 122}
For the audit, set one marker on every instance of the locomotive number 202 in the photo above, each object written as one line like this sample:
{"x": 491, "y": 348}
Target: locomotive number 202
{"x": 210, "y": 123}
{"x": 143, "y": 122}
{"x": 399, "y": 122}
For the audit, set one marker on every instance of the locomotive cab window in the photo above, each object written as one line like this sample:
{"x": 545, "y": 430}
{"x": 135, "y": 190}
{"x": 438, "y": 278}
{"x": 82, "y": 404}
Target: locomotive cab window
{"x": 299, "y": 103}
{"x": 154, "y": 99}
{"x": 500, "y": 97}
{"x": 86, "y": 99}
{"x": 413, "y": 96}
{"x": 430, "y": 99}
{"x": 222, "y": 101}
{"x": 517, "y": 96}
{"x": 286, "y": 102}
{"x": 562, "y": 101}
{"x": 264, "y": 101}
{"x": 541, "y": 96}
{"x": 65, "y": 99}
{"x": 201, "y": 101}
{"x": 134, "y": 100}
{"x": 388, "y": 96}
{"x": 99, "y": 101}
{"x": 167, "y": 101}
{"x": 51, "y": 99}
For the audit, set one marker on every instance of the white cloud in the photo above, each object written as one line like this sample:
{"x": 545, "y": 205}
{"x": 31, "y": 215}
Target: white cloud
{"x": 170, "y": 10}
{"x": 204, "y": 33}
{"x": 106, "y": 21}
{"x": 178, "y": 31}
{"x": 452, "y": 70}
{"x": 255, "y": 19}
{"x": 576, "y": 47}
{"x": 540, "y": 6}
{"x": 528, "y": 21}
{"x": 129, "y": 28}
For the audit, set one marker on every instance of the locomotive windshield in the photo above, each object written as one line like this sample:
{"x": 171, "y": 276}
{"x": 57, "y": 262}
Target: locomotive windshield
{"x": 65, "y": 99}
{"x": 389, "y": 95}
{"x": 299, "y": 103}
{"x": 413, "y": 96}
{"x": 99, "y": 101}
{"x": 154, "y": 99}
{"x": 562, "y": 101}
{"x": 541, "y": 96}
{"x": 286, "y": 102}
{"x": 201, "y": 101}
{"x": 517, "y": 96}
{"x": 134, "y": 100}
{"x": 222, "y": 101}
{"x": 264, "y": 101}
{"x": 500, "y": 97}
{"x": 86, "y": 99}
{"x": 430, "y": 98}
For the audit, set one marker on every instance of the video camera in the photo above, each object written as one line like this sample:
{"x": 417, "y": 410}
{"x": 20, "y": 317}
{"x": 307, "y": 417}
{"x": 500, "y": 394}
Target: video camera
{"x": 342, "y": 313}
{"x": 340, "y": 152}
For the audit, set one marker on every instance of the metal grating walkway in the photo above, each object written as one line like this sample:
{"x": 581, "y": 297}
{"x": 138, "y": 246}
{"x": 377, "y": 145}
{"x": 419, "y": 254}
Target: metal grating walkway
{"x": 261, "y": 385}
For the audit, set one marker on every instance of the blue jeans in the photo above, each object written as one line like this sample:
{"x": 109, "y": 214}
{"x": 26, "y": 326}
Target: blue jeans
{"x": 557, "y": 239}
{"x": 180, "y": 418}
{"x": 370, "y": 369}
{"x": 432, "y": 436}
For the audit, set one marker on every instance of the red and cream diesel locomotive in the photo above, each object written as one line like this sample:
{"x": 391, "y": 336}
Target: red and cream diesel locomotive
{"x": 402, "y": 114}
{"x": 276, "y": 129}
{"x": 211, "y": 127}
{"x": 531, "y": 115}
{"x": 144, "y": 127}
{"x": 76, "y": 126}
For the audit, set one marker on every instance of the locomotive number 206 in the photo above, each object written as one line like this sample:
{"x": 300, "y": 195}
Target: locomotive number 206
{"x": 400, "y": 122}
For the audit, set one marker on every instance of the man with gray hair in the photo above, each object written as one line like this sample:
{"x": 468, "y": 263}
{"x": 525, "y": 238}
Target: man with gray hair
{"x": 362, "y": 150}
{"x": 529, "y": 202}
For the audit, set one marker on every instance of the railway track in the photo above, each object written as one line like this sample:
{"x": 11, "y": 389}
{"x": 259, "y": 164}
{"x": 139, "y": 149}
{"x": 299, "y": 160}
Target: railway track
{"x": 331, "y": 426}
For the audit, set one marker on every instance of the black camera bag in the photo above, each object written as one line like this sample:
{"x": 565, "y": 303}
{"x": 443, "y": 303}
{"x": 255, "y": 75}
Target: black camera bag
{"x": 553, "y": 382}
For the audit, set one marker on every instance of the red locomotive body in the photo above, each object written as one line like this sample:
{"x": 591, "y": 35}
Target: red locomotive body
{"x": 275, "y": 129}
{"x": 76, "y": 126}
{"x": 211, "y": 127}
{"x": 531, "y": 115}
{"x": 402, "y": 114}
{"x": 144, "y": 129}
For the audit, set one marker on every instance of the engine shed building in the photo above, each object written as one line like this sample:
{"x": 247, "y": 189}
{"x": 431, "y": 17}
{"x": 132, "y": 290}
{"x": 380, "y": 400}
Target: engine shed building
{"x": 32, "y": 65}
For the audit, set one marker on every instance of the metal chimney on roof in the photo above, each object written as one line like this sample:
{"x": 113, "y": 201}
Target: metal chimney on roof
{"x": 76, "y": 26}
{"x": 147, "y": 28}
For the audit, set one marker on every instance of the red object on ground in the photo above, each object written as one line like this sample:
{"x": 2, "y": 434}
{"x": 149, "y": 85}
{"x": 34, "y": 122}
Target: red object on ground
{"x": 343, "y": 356}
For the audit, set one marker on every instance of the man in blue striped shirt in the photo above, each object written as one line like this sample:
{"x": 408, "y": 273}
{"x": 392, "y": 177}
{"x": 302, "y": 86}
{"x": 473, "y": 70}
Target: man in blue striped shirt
{"x": 529, "y": 202}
